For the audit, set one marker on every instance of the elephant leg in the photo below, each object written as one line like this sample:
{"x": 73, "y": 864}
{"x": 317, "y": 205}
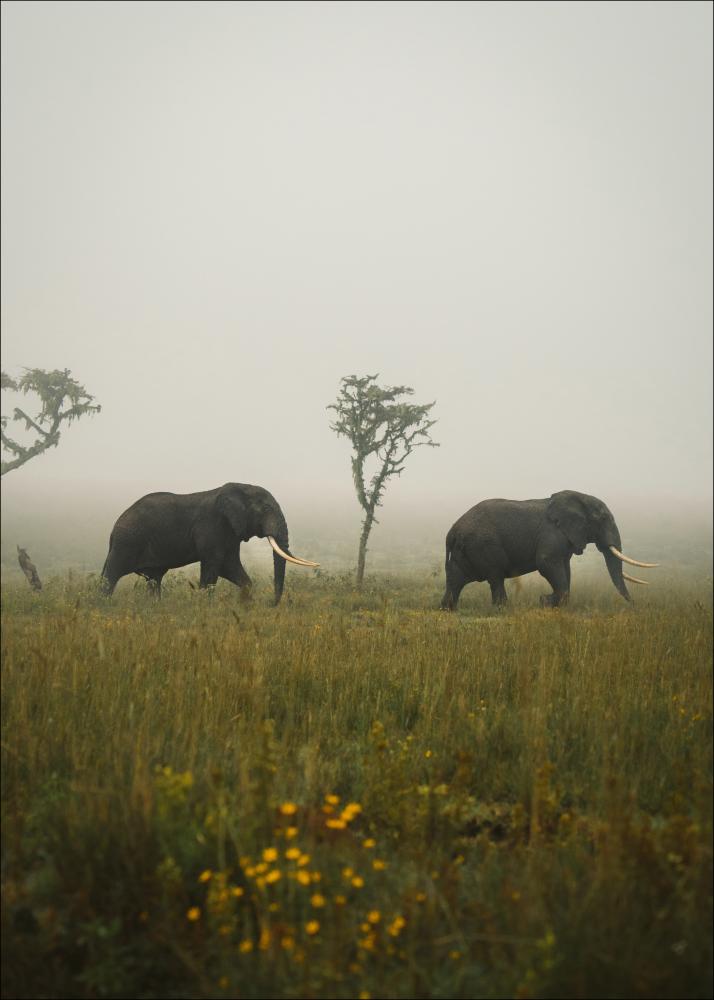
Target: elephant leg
{"x": 235, "y": 573}
{"x": 116, "y": 566}
{"x": 209, "y": 575}
{"x": 456, "y": 580}
{"x": 558, "y": 576}
{"x": 153, "y": 580}
{"x": 498, "y": 592}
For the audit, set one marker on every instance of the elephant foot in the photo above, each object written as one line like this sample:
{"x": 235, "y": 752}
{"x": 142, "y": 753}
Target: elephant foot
{"x": 553, "y": 600}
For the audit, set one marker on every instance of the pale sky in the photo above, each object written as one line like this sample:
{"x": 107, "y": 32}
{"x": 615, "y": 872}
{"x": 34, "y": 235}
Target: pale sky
{"x": 213, "y": 211}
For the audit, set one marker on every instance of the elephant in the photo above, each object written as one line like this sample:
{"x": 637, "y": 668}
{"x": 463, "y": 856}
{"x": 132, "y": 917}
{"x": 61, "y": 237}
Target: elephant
{"x": 500, "y": 539}
{"x": 163, "y": 531}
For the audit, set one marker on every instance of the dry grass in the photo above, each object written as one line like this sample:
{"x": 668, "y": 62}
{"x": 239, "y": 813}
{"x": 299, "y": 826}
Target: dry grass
{"x": 534, "y": 793}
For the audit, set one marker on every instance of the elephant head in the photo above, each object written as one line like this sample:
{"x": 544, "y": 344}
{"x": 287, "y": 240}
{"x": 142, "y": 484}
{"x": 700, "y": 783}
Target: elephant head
{"x": 583, "y": 519}
{"x": 253, "y": 512}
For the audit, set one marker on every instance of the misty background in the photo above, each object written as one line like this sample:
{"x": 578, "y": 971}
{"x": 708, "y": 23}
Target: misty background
{"x": 211, "y": 212}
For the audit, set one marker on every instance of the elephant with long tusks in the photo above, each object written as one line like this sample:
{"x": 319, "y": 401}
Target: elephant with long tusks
{"x": 163, "y": 531}
{"x": 499, "y": 539}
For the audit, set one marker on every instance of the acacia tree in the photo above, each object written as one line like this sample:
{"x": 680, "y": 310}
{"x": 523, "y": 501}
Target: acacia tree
{"x": 63, "y": 399}
{"x": 378, "y": 423}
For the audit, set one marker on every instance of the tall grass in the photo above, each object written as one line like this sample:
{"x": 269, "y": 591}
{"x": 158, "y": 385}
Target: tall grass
{"x": 355, "y": 794}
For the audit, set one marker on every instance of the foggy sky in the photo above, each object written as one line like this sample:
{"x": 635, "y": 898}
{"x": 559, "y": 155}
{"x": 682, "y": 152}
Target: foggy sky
{"x": 213, "y": 211}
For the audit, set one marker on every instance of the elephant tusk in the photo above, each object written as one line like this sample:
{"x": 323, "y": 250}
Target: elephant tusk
{"x": 289, "y": 558}
{"x": 633, "y": 579}
{"x": 632, "y": 562}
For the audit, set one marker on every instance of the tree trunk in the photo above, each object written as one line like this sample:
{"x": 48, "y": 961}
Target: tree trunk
{"x": 366, "y": 528}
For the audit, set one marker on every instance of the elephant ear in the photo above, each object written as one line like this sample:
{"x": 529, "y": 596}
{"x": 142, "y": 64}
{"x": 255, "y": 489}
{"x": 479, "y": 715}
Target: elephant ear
{"x": 235, "y": 512}
{"x": 566, "y": 511}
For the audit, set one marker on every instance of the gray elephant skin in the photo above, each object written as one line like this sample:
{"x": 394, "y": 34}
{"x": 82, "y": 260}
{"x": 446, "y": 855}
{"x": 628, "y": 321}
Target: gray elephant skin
{"x": 164, "y": 531}
{"x": 500, "y": 539}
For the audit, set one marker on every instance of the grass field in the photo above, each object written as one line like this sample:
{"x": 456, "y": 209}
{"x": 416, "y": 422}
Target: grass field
{"x": 355, "y": 795}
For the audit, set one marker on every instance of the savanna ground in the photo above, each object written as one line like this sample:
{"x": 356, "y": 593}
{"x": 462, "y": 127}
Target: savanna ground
{"x": 355, "y": 795}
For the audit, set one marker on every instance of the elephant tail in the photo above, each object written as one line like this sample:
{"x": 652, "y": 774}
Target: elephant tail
{"x": 106, "y": 561}
{"x": 450, "y": 540}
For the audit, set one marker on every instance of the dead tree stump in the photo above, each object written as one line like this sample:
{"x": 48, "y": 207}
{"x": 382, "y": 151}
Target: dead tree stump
{"x": 29, "y": 569}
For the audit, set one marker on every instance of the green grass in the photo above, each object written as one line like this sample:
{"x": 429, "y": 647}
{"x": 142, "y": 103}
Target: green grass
{"x": 537, "y": 786}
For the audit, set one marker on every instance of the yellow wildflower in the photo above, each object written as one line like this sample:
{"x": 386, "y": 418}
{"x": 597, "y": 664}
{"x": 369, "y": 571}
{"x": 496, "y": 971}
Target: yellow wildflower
{"x": 238, "y": 891}
{"x": 262, "y": 868}
{"x": 303, "y": 878}
{"x": 270, "y": 854}
{"x": 374, "y": 916}
{"x": 379, "y": 865}
{"x": 288, "y": 943}
{"x": 273, "y": 876}
{"x": 427, "y": 754}
{"x": 396, "y": 926}
{"x": 291, "y": 832}
{"x": 317, "y": 900}
{"x": 347, "y": 872}
{"x": 292, "y": 853}
{"x": 369, "y": 843}
{"x": 364, "y": 995}
{"x": 264, "y": 939}
{"x": 332, "y": 799}
{"x": 340, "y": 900}
{"x": 336, "y": 824}
{"x": 194, "y": 913}
{"x": 315, "y": 877}
{"x": 288, "y": 809}
{"x": 303, "y": 860}
{"x": 205, "y": 876}
{"x": 454, "y": 954}
{"x": 358, "y": 881}
{"x": 245, "y": 946}
{"x": 312, "y": 927}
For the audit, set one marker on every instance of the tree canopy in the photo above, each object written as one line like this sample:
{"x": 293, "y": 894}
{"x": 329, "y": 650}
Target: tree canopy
{"x": 62, "y": 400}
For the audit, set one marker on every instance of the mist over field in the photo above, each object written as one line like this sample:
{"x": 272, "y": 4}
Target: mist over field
{"x": 408, "y": 539}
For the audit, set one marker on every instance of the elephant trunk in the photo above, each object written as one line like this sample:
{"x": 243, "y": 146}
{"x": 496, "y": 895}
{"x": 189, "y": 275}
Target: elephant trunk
{"x": 279, "y": 576}
{"x": 611, "y": 536}
{"x": 276, "y": 527}
{"x": 614, "y": 567}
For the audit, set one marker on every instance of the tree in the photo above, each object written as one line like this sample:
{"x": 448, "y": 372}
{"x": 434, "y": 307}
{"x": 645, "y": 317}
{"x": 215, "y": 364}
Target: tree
{"x": 53, "y": 388}
{"x": 378, "y": 423}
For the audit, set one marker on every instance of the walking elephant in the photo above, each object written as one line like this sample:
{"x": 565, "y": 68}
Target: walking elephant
{"x": 499, "y": 539}
{"x": 163, "y": 531}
